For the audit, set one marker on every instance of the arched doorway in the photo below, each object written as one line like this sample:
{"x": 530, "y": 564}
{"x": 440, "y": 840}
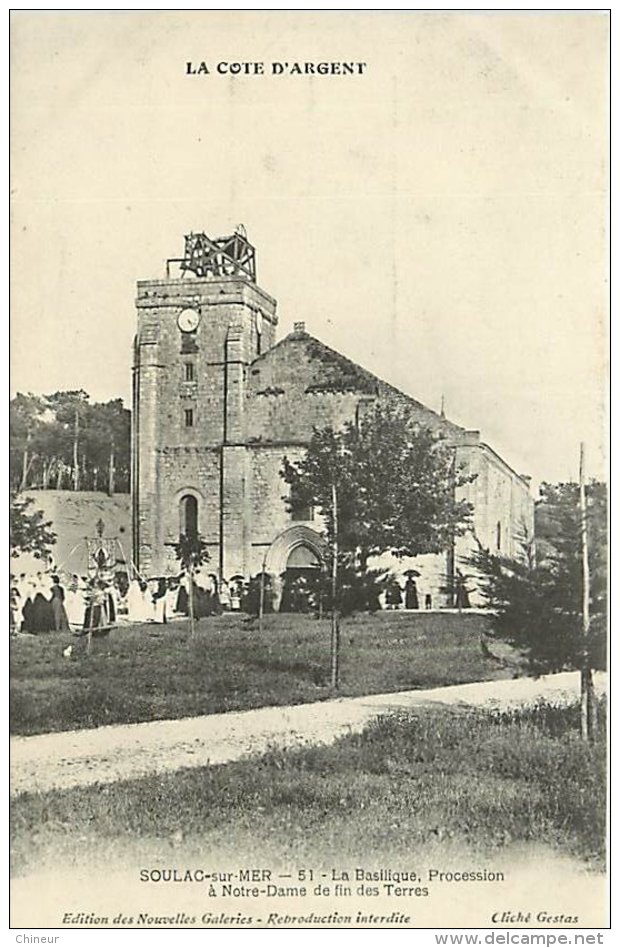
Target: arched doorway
{"x": 301, "y": 583}
{"x": 294, "y": 561}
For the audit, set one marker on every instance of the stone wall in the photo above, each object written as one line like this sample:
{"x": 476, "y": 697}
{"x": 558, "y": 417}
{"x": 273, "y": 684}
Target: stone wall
{"x": 74, "y": 516}
{"x": 503, "y": 509}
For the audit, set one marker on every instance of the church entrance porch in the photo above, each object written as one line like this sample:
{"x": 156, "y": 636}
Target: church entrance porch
{"x": 302, "y": 582}
{"x": 294, "y": 562}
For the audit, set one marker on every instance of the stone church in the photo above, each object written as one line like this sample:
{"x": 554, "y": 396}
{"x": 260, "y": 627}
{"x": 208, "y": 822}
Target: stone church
{"x": 218, "y": 403}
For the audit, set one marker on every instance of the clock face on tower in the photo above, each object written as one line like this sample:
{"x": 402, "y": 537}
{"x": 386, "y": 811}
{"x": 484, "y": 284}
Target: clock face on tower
{"x": 188, "y": 320}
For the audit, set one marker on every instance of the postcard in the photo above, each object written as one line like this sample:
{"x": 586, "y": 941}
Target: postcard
{"x": 308, "y": 463}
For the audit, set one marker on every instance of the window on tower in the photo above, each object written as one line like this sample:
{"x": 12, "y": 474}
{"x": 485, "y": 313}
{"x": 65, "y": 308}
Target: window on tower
{"x": 498, "y": 535}
{"x": 189, "y": 372}
{"x": 188, "y": 343}
{"x": 189, "y": 516}
{"x": 189, "y": 417}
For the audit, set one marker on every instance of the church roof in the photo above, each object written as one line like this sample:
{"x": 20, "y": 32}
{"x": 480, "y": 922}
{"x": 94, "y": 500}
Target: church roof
{"x": 326, "y": 370}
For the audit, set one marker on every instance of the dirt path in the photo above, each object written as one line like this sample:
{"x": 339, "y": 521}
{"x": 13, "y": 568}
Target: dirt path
{"x": 122, "y": 752}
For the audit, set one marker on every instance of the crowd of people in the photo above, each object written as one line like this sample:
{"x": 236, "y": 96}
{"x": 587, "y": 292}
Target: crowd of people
{"x": 48, "y": 601}
{"x": 45, "y": 602}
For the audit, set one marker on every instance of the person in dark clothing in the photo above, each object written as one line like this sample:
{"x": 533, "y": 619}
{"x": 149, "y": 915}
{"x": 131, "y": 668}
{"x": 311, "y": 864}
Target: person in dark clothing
{"x": 411, "y": 594}
{"x": 110, "y": 606}
{"x": 394, "y": 595}
{"x": 42, "y": 614}
{"x": 462, "y": 594}
{"x": 182, "y": 600}
{"x": 27, "y": 615}
{"x": 59, "y": 614}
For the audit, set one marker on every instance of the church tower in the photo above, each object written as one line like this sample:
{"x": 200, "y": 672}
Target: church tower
{"x": 198, "y": 330}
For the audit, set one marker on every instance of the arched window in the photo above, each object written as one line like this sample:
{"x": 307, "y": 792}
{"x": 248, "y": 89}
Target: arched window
{"x": 189, "y": 516}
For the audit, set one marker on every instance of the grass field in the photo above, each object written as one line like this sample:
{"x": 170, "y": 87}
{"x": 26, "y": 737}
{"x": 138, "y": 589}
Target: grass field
{"x": 430, "y": 779}
{"x": 149, "y": 672}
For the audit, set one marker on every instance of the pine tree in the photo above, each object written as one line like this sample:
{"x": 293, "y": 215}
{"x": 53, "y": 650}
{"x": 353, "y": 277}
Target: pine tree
{"x": 537, "y": 598}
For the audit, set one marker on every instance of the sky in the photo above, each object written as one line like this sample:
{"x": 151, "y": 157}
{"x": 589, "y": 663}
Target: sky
{"x": 440, "y": 217}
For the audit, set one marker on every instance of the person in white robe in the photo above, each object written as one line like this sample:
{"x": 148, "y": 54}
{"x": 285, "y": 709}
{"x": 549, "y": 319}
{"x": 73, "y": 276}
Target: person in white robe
{"x": 75, "y": 604}
{"x": 22, "y": 588}
{"x": 16, "y": 614}
{"x": 225, "y": 596}
{"x": 135, "y": 602}
{"x": 172, "y": 596}
{"x": 114, "y": 598}
{"x": 159, "y": 600}
{"x": 235, "y": 594}
{"x": 139, "y": 601}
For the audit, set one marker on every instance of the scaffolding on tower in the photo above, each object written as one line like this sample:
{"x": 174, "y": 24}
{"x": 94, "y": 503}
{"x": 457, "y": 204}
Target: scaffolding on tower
{"x": 215, "y": 257}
